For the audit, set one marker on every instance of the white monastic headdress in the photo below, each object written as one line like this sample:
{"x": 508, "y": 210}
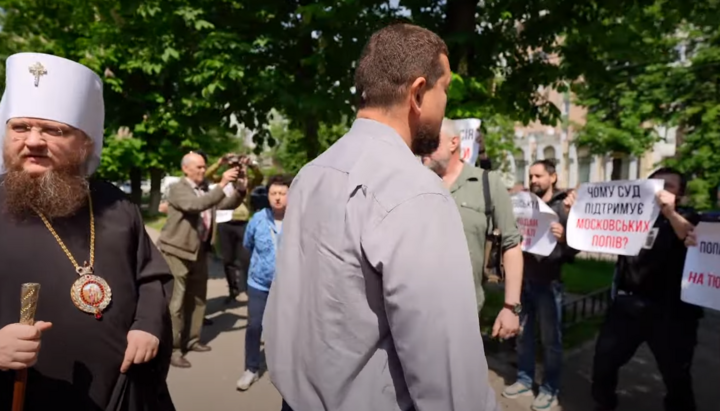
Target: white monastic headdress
{"x": 53, "y": 88}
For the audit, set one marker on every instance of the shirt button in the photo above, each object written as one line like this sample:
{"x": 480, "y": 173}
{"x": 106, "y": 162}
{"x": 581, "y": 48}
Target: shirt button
{"x": 463, "y": 203}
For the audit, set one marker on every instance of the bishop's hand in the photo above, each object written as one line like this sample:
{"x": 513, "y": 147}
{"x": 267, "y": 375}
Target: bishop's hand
{"x": 20, "y": 345}
{"x": 142, "y": 347}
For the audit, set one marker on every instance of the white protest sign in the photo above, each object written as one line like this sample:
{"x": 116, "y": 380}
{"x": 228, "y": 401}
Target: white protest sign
{"x": 223, "y": 216}
{"x": 469, "y": 129}
{"x": 613, "y": 217}
{"x": 533, "y": 218}
{"x": 701, "y": 279}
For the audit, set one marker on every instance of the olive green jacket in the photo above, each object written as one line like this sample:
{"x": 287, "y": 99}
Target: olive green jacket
{"x": 242, "y": 212}
{"x": 468, "y": 194}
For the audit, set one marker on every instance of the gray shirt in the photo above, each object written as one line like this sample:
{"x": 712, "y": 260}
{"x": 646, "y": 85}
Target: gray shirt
{"x": 373, "y": 306}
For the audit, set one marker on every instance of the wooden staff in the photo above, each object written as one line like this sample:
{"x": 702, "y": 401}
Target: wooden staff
{"x": 28, "y": 305}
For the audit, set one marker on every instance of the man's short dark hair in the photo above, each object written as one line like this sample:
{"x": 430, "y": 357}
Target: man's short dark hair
{"x": 664, "y": 171}
{"x": 280, "y": 180}
{"x": 548, "y": 164}
{"x": 392, "y": 59}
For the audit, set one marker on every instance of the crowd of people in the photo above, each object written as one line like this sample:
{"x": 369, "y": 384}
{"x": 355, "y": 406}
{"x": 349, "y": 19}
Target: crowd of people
{"x": 364, "y": 273}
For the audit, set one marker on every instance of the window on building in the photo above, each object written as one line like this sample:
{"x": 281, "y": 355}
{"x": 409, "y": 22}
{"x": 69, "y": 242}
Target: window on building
{"x": 520, "y": 167}
{"x": 584, "y": 168}
{"x": 621, "y": 168}
{"x": 549, "y": 153}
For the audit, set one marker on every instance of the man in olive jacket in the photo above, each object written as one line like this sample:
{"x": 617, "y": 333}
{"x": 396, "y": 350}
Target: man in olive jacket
{"x": 184, "y": 242}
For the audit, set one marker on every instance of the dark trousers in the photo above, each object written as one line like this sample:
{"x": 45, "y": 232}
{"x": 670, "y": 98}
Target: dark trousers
{"x": 541, "y": 302}
{"x": 671, "y": 334}
{"x": 257, "y": 300}
{"x": 285, "y": 407}
{"x": 235, "y": 257}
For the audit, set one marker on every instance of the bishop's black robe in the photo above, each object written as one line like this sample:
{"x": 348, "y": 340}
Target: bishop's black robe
{"x": 79, "y": 363}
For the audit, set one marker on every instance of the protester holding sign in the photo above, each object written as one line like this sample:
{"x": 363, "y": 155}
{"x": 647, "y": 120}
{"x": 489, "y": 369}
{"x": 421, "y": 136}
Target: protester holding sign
{"x": 613, "y": 217}
{"x": 701, "y": 282}
{"x": 647, "y": 307}
{"x": 469, "y": 186}
{"x": 542, "y": 294}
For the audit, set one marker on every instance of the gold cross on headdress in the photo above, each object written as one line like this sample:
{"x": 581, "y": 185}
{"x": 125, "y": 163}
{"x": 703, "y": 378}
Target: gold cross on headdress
{"x": 37, "y": 70}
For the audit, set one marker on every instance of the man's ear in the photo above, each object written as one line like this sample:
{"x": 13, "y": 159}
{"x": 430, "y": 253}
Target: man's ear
{"x": 417, "y": 94}
{"x": 455, "y": 143}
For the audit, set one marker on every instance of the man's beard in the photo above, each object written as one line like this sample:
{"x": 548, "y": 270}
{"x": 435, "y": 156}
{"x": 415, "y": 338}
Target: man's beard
{"x": 59, "y": 192}
{"x": 538, "y": 191}
{"x": 426, "y": 140}
{"x": 439, "y": 167}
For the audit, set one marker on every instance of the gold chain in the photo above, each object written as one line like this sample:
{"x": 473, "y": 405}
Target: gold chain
{"x": 62, "y": 245}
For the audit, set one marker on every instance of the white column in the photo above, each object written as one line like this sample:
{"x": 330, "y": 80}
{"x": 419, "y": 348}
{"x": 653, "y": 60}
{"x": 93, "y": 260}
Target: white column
{"x": 574, "y": 164}
{"x": 608, "y": 167}
{"x": 633, "y": 169}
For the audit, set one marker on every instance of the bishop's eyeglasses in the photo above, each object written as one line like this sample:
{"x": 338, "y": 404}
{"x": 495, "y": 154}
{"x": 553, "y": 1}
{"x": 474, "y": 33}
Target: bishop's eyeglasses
{"x": 23, "y": 130}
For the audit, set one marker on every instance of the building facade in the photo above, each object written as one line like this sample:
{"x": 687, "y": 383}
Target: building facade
{"x": 576, "y": 165}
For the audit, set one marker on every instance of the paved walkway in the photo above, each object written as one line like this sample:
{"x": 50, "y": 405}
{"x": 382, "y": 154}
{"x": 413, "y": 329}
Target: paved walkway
{"x": 210, "y": 384}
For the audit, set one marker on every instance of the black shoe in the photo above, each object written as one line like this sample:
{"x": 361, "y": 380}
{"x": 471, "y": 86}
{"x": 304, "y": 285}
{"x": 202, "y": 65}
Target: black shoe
{"x": 232, "y": 297}
{"x": 207, "y": 321}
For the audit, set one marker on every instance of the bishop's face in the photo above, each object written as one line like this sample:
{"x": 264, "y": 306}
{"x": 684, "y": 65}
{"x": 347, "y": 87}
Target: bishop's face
{"x": 37, "y": 146}
{"x": 45, "y": 162}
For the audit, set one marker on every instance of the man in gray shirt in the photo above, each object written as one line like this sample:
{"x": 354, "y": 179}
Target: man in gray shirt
{"x": 373, "y": 307}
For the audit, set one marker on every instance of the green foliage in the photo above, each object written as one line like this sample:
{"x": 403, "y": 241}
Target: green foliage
{"x": 498, "y": 129}
{"x": 290, "y": 153}
{"x": 634, "y": 76}
{"x": 163, "y": 64}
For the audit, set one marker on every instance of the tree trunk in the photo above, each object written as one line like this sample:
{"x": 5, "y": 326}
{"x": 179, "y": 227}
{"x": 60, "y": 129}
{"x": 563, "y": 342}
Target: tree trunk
{"x": 312, "y": 142}
{"x": 156, "y": 176}
{"x": 305, "y": 77}
{"x": 135, "y": 185}
{"x": 679, "y": 139}
{"x": 459, "y": 31}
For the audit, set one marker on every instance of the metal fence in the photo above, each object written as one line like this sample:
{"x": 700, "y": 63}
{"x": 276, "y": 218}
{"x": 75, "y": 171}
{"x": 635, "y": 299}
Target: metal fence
{"x": 586, "y": 307}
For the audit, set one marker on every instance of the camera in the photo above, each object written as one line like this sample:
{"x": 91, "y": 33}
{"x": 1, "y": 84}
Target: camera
{"x": 233, "y": 160}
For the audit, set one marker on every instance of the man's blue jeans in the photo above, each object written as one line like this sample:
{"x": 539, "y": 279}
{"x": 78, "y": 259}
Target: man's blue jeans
{"x": 541, "y": 302}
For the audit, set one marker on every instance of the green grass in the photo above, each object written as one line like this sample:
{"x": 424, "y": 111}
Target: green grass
{"x": 585, "y": 276}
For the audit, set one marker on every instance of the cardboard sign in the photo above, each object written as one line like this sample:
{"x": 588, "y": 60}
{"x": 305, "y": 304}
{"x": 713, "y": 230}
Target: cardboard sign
{"x": 613, "y": 217}
{"x": 534, "y": 218}
{"x": 701, "y": 275}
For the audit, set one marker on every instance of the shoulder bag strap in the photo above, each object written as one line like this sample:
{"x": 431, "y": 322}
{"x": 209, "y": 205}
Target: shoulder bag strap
{"x": 489, "y": 207}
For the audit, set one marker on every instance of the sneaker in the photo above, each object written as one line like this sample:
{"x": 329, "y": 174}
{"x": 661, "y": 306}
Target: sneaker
{"x": 544, "y": 401}
{"x": 248, "y": 378}
{"x": 517, "y": 390}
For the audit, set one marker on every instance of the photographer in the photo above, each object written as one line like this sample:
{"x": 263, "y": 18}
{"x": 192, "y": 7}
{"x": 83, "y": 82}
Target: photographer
{"x": 184, "y": 242}
{"x": 236, "y": 259}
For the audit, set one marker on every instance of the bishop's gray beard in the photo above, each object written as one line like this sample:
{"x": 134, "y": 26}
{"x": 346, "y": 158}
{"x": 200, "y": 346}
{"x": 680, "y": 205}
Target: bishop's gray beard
{"x": 57, "y": 193}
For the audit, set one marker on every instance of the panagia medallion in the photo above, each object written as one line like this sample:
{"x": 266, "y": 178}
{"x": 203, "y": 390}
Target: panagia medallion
{"x": 90, "y": 293}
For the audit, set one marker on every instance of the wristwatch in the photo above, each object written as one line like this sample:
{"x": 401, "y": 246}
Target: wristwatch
{"x": 515, "y": 308}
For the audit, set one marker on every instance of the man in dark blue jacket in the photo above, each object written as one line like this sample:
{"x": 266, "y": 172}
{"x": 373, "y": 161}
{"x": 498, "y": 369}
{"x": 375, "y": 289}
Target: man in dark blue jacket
{"x": 542, "y": 296}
